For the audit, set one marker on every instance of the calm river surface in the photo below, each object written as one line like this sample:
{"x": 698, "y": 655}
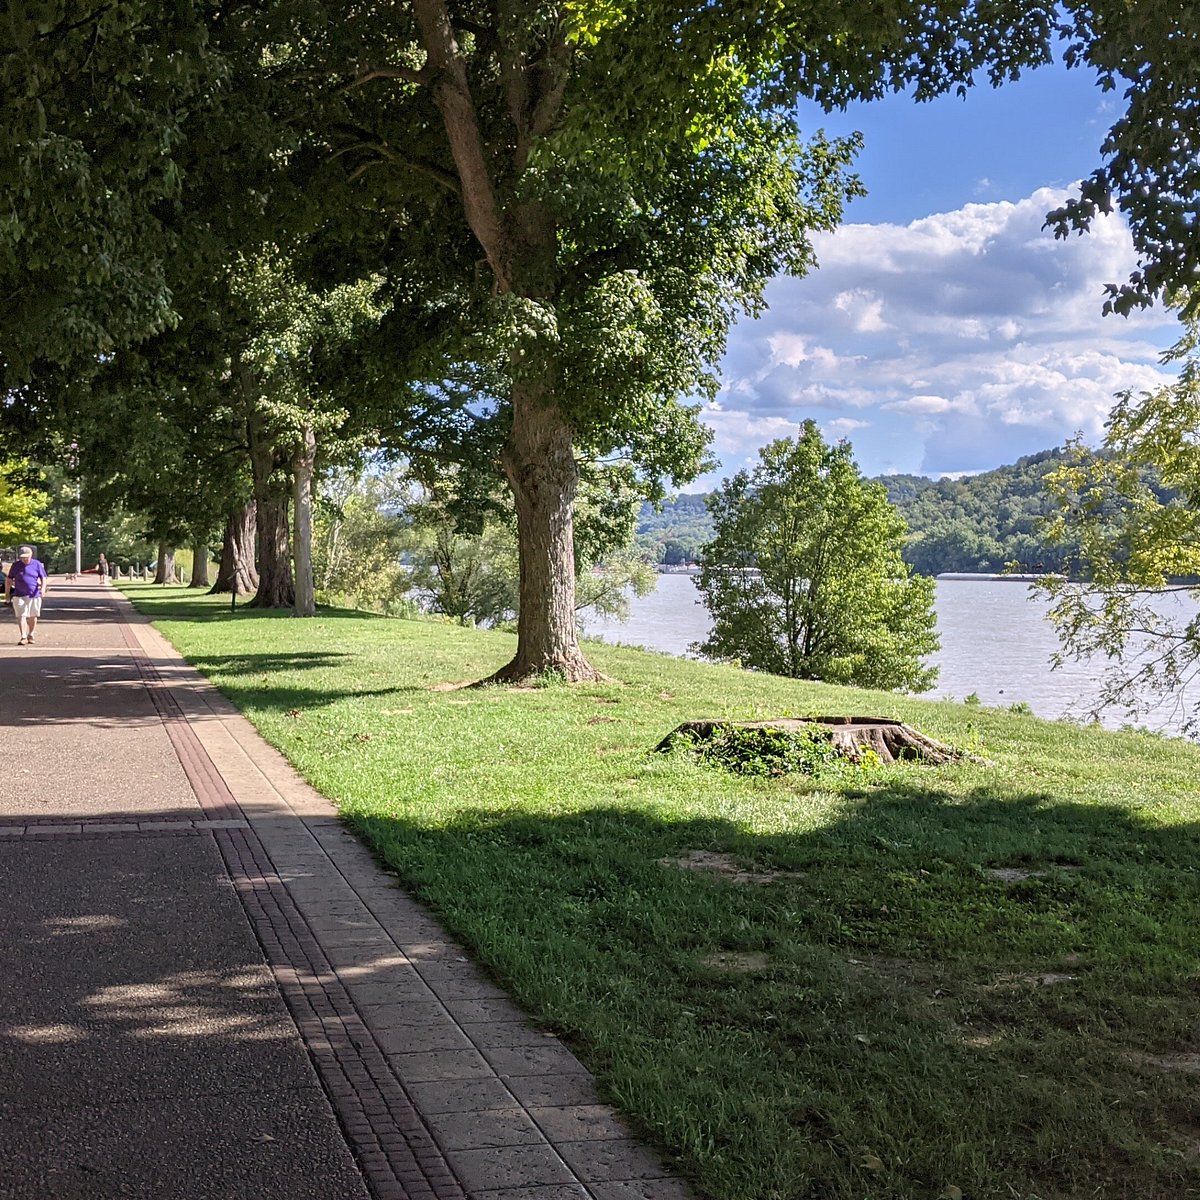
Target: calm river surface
{"x": 996, "y": 642}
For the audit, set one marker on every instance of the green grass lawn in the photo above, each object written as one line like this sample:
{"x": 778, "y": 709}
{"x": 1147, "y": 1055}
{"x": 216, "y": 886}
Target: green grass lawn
{"x": 885, "y": 1018}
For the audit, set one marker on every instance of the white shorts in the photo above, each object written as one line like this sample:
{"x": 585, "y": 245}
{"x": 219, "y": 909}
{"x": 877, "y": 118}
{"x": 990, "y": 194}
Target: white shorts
{"x": 27, "y": 606}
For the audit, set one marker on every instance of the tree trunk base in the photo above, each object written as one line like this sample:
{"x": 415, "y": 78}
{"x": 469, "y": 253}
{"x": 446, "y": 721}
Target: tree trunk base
{"x": 575, "y": 669}
{"x": 282, "y": 598}
{"x": 892, "y": 741}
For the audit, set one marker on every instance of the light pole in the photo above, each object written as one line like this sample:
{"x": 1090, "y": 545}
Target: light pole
{"x": 74, "y": 461}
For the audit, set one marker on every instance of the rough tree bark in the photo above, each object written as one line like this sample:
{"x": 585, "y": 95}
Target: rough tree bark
{"x": 542, "y": 472}
{"x": 275, "y": 586}
{"x": 164, "y": 571}
{"x": 303, "y": 461}
{"x": 236, "y": 572}
{"x": 199, "y": 565}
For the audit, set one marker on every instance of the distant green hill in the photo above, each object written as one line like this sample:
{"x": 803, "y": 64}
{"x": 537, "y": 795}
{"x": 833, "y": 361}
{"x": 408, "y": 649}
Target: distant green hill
{"x": 975, "y": 523}
{"x": 979, "y": 522}
{"x": 675, "y": 534}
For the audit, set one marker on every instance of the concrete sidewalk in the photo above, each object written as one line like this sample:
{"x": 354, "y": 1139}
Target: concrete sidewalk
{"x": 209, "y": 989}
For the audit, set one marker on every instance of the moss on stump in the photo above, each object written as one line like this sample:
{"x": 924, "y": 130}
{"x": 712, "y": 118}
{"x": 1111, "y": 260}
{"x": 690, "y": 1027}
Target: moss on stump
{"x": 851, "y": 737}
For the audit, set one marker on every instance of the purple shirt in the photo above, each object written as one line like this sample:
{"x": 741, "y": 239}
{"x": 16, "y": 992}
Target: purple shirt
{"x": 26, "y": 578}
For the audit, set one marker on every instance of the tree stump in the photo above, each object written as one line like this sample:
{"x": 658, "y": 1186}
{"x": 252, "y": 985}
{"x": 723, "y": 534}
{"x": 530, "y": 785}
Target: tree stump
{"x": 892, "y": 741}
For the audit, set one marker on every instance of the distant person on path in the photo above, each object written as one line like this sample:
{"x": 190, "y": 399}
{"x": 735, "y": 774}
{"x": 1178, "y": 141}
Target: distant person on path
{"x": 102, "y": 568}
{"x": 25, "y": 585}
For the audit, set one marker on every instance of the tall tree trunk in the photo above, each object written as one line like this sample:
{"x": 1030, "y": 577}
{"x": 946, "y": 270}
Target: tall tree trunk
{"x": 302, "y": 474}
{"x": 236, "y": 572}
{"x": 199, "y": 565}
{"x": 544, "y": 476}
{"x": 164, "y": 571}
{"x": 275, "y": 586}
{"x": 332, "y": 553}
{"x": 521, "y": 246}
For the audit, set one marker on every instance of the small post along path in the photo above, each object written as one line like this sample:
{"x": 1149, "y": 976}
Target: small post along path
{"x": 209, "y": 989}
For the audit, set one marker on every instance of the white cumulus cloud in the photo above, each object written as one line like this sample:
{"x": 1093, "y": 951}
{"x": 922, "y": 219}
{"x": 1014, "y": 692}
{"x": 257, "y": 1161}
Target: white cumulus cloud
{"x": 952, "y": 344}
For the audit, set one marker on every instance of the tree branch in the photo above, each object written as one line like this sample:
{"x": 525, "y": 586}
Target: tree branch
{"x": 385, "y": 153}
{"x": 422, "y": 77}
{"x": 452, "y": 94}
{"x": 554, "y": 73}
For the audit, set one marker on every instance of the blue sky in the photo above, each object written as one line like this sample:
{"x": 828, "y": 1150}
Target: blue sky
{"x": 945, "y": 332}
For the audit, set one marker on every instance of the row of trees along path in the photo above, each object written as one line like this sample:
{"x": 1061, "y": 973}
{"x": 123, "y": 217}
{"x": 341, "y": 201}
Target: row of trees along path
{"x": 496, "y": 240}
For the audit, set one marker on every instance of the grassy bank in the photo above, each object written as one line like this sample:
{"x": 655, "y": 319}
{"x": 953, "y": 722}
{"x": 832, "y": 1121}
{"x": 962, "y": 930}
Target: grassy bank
{"x": 981, "y": 978}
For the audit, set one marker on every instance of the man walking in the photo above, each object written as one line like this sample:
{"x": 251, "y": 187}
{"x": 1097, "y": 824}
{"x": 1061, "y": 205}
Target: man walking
{"x": 25, "y": 584}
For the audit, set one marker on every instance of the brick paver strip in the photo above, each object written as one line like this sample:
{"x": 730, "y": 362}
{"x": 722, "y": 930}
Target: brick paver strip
{"x": 409, "y": 1023}
{"x": 57, "y": 827}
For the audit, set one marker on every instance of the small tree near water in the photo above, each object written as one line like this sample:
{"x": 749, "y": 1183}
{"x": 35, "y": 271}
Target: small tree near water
{"x": 804, "y": 576}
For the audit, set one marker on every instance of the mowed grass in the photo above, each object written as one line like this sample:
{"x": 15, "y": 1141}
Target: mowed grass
{"x": 884, "y": 1017}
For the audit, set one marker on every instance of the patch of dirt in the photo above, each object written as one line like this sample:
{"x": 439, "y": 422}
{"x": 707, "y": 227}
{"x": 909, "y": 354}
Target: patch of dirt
{"x": 709, "y": 862}
{"x": 1020, "y": 874}
{"x": 934, "y": 982}
{"x": 1186, "y": 1142}
{"x": 451, "y": 687}
{"x": 1007, "y": 983}
{"x": 1184, "y": 1064}
{"x": 981, "y": 1041}
{"x": 744, "y": 961}
{"x": 1053, "y": 978}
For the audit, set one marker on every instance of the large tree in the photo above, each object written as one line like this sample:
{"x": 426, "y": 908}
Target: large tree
{"x": 804, "y": 575}
{"x": 94, "y": 97}
{"x": 604, "y": 275}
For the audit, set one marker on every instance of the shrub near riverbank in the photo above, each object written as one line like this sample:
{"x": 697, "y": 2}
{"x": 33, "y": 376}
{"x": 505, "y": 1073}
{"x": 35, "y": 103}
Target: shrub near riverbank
{"x": 894, "y": 984}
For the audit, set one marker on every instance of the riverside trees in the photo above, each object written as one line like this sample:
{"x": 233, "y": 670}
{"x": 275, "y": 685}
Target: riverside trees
{"x": 630, "y": 178}
{"x": 611, "y": 257}
{"x": 804, "y": 575}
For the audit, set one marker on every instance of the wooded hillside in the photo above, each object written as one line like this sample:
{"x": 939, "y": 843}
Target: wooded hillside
{"x": 975, "y": 523}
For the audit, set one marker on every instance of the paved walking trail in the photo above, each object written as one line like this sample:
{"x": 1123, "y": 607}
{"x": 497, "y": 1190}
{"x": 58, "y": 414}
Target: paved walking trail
{"x": 208, "y": 989}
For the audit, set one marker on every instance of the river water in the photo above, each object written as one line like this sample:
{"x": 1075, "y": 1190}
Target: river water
{"x": 996, "y": 643}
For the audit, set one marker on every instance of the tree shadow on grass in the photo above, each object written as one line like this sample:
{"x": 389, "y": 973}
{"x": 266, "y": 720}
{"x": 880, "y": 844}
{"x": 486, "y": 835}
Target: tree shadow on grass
{"x": 886, "y": 993}
{"x": 256, "y": 680}
{"x": 268, "y": 662}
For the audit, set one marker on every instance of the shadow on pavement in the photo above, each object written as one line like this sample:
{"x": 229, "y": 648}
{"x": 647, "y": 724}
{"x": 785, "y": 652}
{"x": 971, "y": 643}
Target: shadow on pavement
{"x": 144, "y": 1048}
